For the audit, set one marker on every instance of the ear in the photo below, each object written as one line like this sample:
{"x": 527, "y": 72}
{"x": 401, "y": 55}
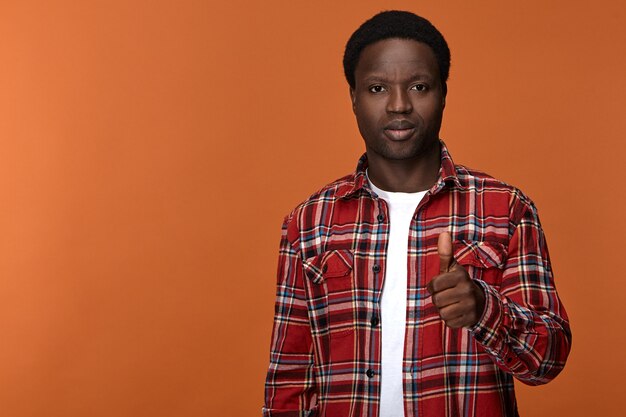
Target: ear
{"x": 353, "y": 100}
{"x": 445, "y": 94}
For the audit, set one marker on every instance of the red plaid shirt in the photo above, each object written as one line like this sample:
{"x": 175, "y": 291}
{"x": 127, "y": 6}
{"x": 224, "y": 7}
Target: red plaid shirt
{"x": 325, "y": 349}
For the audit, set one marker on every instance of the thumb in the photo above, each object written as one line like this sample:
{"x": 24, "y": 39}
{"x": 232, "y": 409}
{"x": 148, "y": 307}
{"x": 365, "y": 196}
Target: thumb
{"x": 444, "y": 248}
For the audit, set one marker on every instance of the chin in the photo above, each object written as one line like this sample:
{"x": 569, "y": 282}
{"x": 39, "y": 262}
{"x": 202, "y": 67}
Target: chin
{"x": 407, "y": 151}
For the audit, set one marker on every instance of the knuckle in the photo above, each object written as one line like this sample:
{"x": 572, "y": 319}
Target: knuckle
{"x": 465, "y": 285}
{"x": 449, "y": 314}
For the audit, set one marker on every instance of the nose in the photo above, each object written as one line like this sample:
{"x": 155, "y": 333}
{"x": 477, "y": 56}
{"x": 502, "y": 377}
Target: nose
{"x": 399, "y": 102}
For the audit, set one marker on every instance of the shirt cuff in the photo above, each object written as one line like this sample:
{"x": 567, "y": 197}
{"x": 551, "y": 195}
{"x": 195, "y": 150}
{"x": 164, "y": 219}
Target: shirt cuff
{"x": 491, "y": 330}
{"x": 269, "y": 412}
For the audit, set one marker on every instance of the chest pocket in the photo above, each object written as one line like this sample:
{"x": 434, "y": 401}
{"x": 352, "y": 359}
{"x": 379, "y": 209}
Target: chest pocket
{"x": 330, "y": 291}
{"x": 331, "y": 270}
{"x": 483, "y": 260}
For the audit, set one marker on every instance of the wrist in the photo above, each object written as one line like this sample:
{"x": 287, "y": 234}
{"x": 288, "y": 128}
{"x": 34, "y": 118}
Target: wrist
{"x": 480, "y": 301}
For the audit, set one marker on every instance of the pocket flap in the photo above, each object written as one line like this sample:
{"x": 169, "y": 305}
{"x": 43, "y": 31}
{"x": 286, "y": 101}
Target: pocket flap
{"x": 331, "y": 264}
{"x": 482, "y": 254}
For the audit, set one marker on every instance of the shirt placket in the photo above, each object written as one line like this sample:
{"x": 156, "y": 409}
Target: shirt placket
{"x": 376, "y": 265}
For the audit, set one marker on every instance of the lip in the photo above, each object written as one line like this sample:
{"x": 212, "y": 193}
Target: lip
{"x": 400, "y": 124}
{"x": 399, "y": 134}
{"x": 399, "y": 129}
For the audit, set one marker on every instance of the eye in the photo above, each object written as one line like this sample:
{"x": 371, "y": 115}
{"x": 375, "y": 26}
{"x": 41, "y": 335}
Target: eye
{"x": 377, "y": 89}
{"x": 419, "y": 87}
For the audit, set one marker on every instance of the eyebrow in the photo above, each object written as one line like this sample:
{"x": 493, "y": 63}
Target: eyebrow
{"x": 413, "y": 77}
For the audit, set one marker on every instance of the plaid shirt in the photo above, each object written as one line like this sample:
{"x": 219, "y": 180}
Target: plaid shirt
{"x": 326, "y": 342}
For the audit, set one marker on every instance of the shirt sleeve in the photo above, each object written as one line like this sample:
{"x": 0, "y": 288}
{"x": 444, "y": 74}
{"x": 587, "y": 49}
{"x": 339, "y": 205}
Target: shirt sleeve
{"x": 524, "y": 326}
{"x": 290, "y": 389}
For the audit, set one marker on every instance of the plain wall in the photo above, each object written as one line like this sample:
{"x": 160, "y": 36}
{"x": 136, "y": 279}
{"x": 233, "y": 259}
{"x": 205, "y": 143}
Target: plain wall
{"x": 150, "y": 149}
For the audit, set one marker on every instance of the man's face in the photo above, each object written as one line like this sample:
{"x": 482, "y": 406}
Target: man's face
{"x": 398, "y": 98}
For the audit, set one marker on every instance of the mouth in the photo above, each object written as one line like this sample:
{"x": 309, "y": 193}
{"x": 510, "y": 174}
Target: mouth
{"x": 399, "y": 134}
{"x": 399, "y": 130}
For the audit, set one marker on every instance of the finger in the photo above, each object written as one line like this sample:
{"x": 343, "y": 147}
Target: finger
{"x": 444, "y": 248}
{"x": 446, "y": 280}
{"x": 446, "y": 298}
{"x": 451, "y": 313}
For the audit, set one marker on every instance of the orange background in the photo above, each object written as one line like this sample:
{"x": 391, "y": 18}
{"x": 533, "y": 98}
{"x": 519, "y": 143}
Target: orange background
{"x": 149, "y": 150}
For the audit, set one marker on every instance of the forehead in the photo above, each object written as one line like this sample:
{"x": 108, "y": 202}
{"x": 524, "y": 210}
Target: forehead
{"x": 397, "y": 55}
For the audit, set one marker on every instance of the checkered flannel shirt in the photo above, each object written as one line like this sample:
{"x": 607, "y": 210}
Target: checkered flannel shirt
{"x": 326, "y": 341}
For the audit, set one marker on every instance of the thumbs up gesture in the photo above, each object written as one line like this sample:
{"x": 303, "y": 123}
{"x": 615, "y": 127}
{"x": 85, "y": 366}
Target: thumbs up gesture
{"x": 458, "y": 298}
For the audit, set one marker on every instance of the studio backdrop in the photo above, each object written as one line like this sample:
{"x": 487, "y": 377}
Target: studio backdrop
{"x": 150, "y": 149}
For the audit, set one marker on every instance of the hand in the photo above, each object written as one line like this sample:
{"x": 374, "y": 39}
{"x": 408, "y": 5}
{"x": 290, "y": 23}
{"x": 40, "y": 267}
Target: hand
{"x": 458, "y": 298}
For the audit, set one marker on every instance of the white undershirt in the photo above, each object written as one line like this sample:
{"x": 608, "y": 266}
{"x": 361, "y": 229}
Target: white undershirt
{"x": 393, "y": 302}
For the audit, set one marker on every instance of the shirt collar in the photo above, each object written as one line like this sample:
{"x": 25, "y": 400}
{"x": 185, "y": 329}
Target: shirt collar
{"x": 447, "y": 173}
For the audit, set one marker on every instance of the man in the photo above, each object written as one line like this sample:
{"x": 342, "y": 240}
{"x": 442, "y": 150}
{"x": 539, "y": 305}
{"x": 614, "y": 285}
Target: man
{"x": 414, "y": 286}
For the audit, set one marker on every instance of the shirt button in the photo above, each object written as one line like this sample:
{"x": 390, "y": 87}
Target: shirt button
{"x": 374, "y": 321}
{"x": 324, "y": 269}
{"x": 381, "y": 217}
{"x": 370, "y": 373}
{"x": 376, "y": 268}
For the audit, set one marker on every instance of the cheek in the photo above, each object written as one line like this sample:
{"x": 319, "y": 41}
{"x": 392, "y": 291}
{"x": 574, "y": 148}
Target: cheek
{"x": 368, "y": 117}
{"x": 431, "y": 113}
{"x": 362, "y": 119}
{"x": 364, "y": 126}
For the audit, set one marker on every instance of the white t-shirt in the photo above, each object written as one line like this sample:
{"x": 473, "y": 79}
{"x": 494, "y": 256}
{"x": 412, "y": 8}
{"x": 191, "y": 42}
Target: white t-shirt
{"x": 393, "y": 302}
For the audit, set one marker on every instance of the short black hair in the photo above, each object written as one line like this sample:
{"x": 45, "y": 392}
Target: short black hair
{"x": 396, "y": 24}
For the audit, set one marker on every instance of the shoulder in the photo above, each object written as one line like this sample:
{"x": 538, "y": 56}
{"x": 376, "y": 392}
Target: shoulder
{"x": 320, "y": 201}
{"x": 495, "y": 190}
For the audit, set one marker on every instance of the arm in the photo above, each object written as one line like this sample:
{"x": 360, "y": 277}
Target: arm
{"x": 290, "y": 385}
{"x": 524, "y": 326}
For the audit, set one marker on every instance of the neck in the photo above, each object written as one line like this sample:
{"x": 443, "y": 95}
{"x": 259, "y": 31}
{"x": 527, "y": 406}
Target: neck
{"x": 405, "y": 175}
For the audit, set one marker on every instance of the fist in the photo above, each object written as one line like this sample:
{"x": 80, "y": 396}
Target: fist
{"x": 459, "y": 300}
